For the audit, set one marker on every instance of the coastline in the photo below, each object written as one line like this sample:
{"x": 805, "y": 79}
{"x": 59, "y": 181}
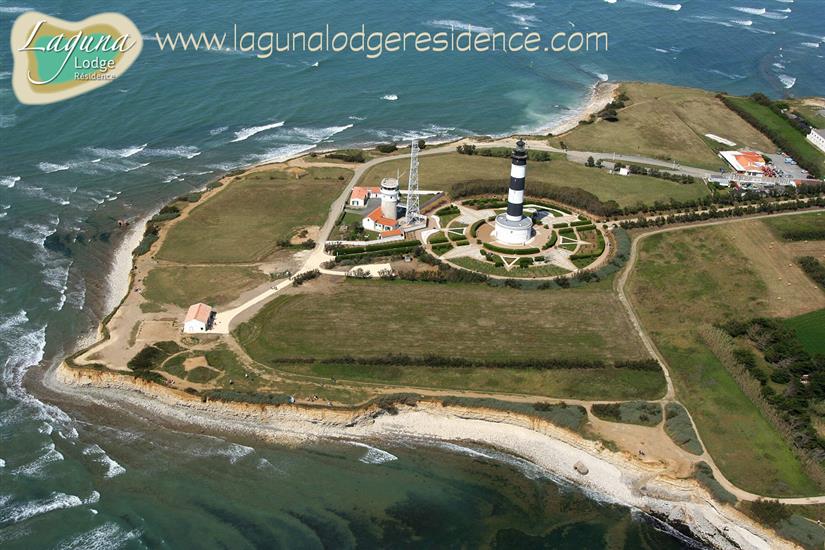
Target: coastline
{"x": 612, "y": 476}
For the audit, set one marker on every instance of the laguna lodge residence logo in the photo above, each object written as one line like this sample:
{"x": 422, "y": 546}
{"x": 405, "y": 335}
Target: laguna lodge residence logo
{"x": 56, "y": 59}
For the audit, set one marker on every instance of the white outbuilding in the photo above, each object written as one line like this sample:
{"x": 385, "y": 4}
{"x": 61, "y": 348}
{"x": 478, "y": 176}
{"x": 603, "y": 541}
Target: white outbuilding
{"x": 198, "y": 318}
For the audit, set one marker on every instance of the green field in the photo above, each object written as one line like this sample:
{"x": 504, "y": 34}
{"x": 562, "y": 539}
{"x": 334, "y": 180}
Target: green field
{"x": 689, "y": 279}
{"x": 186, "y": 285}
{"x": 377, "y": 319}
{"x": 811, "y": 113}
{"x": 797, "y": 144}
{"x": 442, "y": 172}
{"x": 810, "y": 330}
{"x": 668, "y": 123}
{"x": 244, "y": 222}
{"x": 787, "y": 226}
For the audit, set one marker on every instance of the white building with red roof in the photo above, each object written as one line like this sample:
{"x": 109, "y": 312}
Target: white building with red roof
{"x": 748, "y": 163}
{"x": 199, "y": 318}
{"x": 359, "y": 196}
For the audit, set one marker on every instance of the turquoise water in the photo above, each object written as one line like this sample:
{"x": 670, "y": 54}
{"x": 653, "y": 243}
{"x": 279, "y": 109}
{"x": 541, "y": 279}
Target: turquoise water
{"x": 69, "y": 171}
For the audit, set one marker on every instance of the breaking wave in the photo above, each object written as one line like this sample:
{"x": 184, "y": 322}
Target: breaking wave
{"x": 246, "y": 133}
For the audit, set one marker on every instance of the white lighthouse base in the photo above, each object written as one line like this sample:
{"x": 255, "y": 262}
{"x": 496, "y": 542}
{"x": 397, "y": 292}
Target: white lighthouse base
{"x": 513, "y": 232}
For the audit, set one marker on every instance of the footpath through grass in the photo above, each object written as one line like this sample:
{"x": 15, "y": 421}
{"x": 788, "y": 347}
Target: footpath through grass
{"x": 377, "y": 319}
{"x": 689, "y": 279}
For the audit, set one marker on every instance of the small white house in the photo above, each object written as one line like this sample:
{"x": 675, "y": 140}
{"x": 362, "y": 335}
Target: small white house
{"x": 198, "y": 318}
{"x": 817, "y": 137}
{"x": 624, "y": 171}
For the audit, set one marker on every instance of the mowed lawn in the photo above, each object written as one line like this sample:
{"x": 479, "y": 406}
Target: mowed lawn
{"x": 668, "y": 123}
{"x": 810, "y": 330}
{"x": 442, "y": 172}
{"x": 692, "y": 278}
{"x": 213, "y": 285}
{"x": 243, "y": 222}
{"x": 376, "y": 319}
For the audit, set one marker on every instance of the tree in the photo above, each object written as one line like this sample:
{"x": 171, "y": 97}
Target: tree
{"x": 599, "y": 163}
{"x": 422, "y": 144}
{"x": 591, "y": 162}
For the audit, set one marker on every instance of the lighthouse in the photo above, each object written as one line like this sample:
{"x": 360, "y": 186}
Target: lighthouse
{"x": 512, "y": 227}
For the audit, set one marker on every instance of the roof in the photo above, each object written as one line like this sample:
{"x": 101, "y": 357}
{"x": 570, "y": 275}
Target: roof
{"x": 819, "y": 131}
{"x": 363, "y": 192}
{"x": 744, "y": 161}
{"x": 390, "y": 233}
{"x": 198, "y": 312}
{"x": 378, "y": 217}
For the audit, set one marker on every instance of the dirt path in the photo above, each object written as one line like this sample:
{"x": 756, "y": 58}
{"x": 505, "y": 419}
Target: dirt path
{"x": 620, "y": 286}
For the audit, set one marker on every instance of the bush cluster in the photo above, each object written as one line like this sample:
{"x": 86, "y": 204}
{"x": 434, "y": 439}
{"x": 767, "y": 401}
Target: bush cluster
{"x": 814, "y": 269}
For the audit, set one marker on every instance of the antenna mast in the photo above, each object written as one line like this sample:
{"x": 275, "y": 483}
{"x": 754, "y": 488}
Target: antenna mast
{"x": 413, "y": 215}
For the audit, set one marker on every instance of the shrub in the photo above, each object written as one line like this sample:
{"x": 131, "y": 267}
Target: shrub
{"x": 814, "y": 269}
{"x": 680, "y": 429}
{"x": 387, "y": 148}
{"x": 348, "y": 155}
{"x": 301, "y": 278}
{"x": 769, "y": 512}
{"x": 704, "y": 474}
{"x": 631, "y": 412}
{"x": 146, "y": 359}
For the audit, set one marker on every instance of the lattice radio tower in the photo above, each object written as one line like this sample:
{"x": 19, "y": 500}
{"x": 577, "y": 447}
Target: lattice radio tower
{"x": 413, "y": 215}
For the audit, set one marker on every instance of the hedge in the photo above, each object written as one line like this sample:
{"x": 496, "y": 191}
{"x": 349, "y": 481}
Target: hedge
{"x": 551, "y": 242}
{"x": 514, "y": 251}
{"x": 474, "y": 228}
{"x": 352, "y": 250}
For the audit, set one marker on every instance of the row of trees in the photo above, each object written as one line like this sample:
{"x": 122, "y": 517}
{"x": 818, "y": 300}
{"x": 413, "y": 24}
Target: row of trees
{"x": 715, "y": 213}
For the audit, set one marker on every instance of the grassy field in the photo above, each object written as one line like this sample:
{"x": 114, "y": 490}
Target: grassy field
{"x": 594, "y": 384}
{"x": 683, "y": 281}
{"x": 668, "y": 123}
{"x": 810, "y": 330}
{"x": 185, "y": 285}
{"x": 376, "y": 319}
{"x": 442, "y": 172}
{"x": 784, "y": 226}
{"x": 244, "y": 222}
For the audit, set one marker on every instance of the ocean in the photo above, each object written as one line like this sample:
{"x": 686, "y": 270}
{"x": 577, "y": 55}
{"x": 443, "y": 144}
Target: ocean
{"x": 74, "y": 477}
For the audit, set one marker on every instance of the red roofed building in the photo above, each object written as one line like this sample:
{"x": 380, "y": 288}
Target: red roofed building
{"x": 198, "y": 318}
{"x": 376, "y": 221}
{"x": 360, "y": 195}
{"x": 391, "y": 233}
{"x": 745, "y": 162}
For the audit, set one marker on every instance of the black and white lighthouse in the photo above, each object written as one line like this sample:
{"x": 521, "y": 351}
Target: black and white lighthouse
{"x": 513, "y": 227}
